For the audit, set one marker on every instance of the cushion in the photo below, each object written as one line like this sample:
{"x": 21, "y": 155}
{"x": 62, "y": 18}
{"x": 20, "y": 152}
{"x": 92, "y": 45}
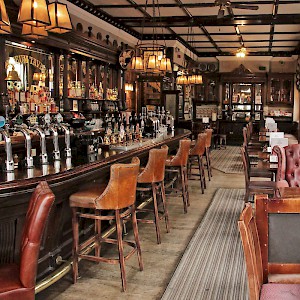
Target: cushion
{"x": 277, "y": 291}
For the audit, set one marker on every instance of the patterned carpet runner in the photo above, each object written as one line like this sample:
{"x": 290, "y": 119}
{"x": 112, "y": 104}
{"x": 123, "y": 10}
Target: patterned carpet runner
{"x": 227, "y": 160}
{"x": 212, "y": 266}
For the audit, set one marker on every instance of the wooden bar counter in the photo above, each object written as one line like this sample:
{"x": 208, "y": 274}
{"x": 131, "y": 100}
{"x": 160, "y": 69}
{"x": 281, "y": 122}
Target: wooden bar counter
{"x": 57, "y": 241}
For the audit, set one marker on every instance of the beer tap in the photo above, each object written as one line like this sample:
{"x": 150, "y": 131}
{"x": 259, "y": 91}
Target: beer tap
{"x": 9, "y": 163}
{"x": 66, "y": 130}
{"x": 44, "y": 155}
{"x": 56, "y": 152}
{"x": 33, "y": 125}
{"x": 25, "y": 132}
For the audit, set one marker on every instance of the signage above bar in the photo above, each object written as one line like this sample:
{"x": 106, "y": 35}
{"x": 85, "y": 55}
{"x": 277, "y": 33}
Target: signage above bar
{"x": 27, "y": 59}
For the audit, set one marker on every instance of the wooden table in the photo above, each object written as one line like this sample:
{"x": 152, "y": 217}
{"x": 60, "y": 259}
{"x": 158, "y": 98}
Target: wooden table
{"x": 289, "y": 192}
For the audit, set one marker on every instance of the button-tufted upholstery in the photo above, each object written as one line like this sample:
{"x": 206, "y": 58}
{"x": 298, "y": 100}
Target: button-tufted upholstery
{"x": 17, "y": 281}
{"x": 288, "y": 173}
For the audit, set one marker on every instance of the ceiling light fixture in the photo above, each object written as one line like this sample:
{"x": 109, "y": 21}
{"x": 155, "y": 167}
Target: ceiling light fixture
{"x": 34, "y": 32}
{"x": 150, "y": 57}
{"x": 241, "y": 53}
{"x": 34, "y": 13}
{"x": 59, "y": 17}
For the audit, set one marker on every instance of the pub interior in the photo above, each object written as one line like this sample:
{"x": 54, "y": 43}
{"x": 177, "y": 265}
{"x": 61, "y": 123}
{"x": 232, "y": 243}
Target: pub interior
{"x": 149, "y": 149}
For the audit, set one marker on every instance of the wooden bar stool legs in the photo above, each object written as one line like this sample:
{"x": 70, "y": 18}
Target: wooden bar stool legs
{"x": 118, "y": 197}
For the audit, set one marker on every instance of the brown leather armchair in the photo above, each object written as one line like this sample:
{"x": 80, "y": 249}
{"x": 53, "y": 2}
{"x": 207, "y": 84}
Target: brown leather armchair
{"x": 17, "y": 281}
{"x": 288, "y": 172}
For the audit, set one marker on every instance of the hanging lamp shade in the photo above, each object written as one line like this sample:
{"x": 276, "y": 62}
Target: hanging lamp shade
{"x": 13, "y": 75}
{"x": 165, "y": 65}
{"x": 199, "y": 79}
{"x": 34, "y": 12}
{"x": 5, "y": 29}
{"x": 34, "y": 32}
{"x": 137, "y": 63}
{"x": 185, "y": 80}
{"x": 153, "y": 63}
{"x": 59, "y": 17}
{"x": 4, "y": 20}
{"x": 36, "y": 76}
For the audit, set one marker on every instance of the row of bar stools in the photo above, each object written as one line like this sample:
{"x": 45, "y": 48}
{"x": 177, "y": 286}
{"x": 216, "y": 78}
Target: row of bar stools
{"x": 154, "y": 175}
{"x": 178, "y": 163}
{"x": 196, "y": 155}
{"x": 118, "y": 196}
{"x": 207, "y": 151}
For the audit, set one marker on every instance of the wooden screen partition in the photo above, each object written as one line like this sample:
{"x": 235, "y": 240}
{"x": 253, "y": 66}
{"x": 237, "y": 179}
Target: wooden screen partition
{"x": 278, "y": 224}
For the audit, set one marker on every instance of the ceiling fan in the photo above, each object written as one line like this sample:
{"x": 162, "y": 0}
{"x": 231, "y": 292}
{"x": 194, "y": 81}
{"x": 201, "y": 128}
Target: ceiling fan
{"x": 223, "y": 4}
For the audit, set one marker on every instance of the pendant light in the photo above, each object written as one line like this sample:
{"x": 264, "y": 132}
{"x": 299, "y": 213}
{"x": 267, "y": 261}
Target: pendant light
{"x": 165, "y": 65}
{"x": 59, "y": 17}
{"x": 4, "y": 20}
{"x": 34, "y": 32}
{"x": 34, "y": 13}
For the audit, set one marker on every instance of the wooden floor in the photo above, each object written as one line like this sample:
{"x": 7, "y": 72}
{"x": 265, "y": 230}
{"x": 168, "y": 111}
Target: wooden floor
{"x": 102, "y": 281}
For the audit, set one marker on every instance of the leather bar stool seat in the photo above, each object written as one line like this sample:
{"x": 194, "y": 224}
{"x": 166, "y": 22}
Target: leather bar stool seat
{"x": 119, "y": 197}
{"x": 178, "y": 163}
{"x": 154, "y": 174}
{"x": 17, "y": 280}
{"x": 196, "y": 155}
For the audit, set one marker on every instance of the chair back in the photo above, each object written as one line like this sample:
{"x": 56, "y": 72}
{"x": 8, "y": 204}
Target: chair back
{"x": 155, "y": 168}
{"x": 288, "y": 164}
{"x": 252, "y": 251}
{"x": 208, "y": 137}
{"x": 121, "y": 189}
{"x": 199, "y": 148}
{"x": 245, "y": 136}
{"x": 38, "y": 211}
{"x": 182, "y": 155}
{"x": 246, "y": 166}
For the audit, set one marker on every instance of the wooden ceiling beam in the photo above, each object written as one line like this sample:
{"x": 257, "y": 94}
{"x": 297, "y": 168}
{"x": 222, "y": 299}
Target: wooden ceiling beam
{"x": 192, "y": 5}
{"x": 182, "y": 21}
{"x": 274, "y": 17}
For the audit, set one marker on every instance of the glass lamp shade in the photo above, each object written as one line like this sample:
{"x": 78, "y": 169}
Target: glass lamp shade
{"x": 34, "y": 32}
{"x": 59, "y": 17}
{"x": 199, "y": 79}
{"x": 4, "y": 20}
{"x": 192, "y": 79}
{"x": 128, "y": 87}
{"x": 34, "y": 12}
{"x": 5, "y": 29}
{"x": 153, "y": 63}
{"x": 185, "y": 80}
{"x": 137, "y": 63}
{"x": 36, "y": 76}
{"x": 165, "y": 65}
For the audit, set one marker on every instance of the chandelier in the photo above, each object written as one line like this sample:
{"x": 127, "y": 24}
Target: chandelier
{"x": 38, "y": 18}
{"x": 241, "y": 52}
{"x": 150, "y": 57}
{"x": 189, "y": 76}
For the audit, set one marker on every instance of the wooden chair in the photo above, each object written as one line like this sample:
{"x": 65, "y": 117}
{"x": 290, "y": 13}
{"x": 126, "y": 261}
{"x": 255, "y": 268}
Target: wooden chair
{"x": 255, "y": 187}
{"x": 196, "y": 155}
{"x": 207, "y": 151}
{"x": 253, "y": 257}
{"x": 17, "y": 280}
{"x": 119, "y": 197}
{"x": 154, "y": 174}
{"x": 256, "y": 171}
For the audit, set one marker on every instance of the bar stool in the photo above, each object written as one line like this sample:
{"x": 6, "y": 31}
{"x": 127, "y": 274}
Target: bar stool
{"x": 178, "y": 163}
{"x": 154, "y": 174}
{"x": 118, "y": 196}
{"x": 207, "y": 151}
{"x": 196, "y": 155}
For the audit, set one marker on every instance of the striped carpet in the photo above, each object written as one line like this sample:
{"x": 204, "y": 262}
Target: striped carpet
{"x": 212, "y": 266}
{"x": 227, "y": 160}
